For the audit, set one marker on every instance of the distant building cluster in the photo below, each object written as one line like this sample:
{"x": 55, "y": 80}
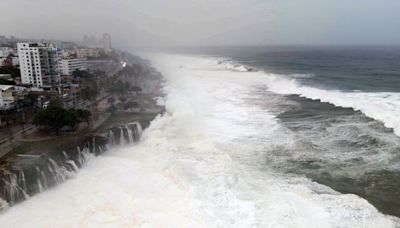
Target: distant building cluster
{"x": 8, "y": 56}
{"x": 107, "y": 43}
{"x": 44, "y": 68}
{"x": 92, "y": 41}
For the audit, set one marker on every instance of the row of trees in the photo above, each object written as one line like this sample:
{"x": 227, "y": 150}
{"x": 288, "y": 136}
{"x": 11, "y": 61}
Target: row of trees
{"x": 55, "y": 117}
{"x": 13, "y": 70}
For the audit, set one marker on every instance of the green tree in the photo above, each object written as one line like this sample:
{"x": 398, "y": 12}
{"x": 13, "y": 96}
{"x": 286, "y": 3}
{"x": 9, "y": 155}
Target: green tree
{"x": 6, "y": 82}
{"x": 82, "y": 74}
{"x": 83, "y": 115}
{"x": 71, "y": 119}
{"x": 56, "y": 117}
{"x": 13, "y": 70}
{"x": 131, "y": 105}
{"x": 53, "y": 117}
{"x": 122, "y": 99}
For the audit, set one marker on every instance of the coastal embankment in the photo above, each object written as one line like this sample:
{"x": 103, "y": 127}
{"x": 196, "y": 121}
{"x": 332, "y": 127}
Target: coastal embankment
{"x": 40, "y": 160}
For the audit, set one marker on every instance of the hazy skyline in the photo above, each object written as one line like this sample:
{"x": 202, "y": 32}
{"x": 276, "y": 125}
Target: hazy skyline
{"x": 206, "y": 22}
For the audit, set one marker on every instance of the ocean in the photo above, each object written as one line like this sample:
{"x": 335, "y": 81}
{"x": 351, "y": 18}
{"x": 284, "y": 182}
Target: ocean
{"x": 343, "y": 104}
{"x": 251, "y": 137}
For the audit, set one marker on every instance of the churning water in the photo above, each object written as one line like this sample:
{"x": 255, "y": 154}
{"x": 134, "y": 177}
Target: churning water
{"x": 225, "y": 154}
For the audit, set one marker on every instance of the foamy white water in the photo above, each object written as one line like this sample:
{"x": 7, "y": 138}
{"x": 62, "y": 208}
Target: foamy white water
{"x": 382, "y": 106}
{"x": 201, "y": 165}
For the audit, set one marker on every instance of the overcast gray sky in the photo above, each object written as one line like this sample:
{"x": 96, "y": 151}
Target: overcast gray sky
{"x": 206, "y": 22}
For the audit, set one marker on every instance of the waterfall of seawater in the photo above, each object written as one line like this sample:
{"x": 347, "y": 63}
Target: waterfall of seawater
{"x": 65, "y": 155}
{"x": 12, "y": 191}
{"x": 137, "y": 128}
{"x": 19, "y": 183}
{"x": 40, "y": 179}
{"x": 22, "y": 181}
{"x": 130, "y": 134}
{"x": 73, "y": 165}
{"x": 111, "y": 138}
{"x": 121, "y": 137}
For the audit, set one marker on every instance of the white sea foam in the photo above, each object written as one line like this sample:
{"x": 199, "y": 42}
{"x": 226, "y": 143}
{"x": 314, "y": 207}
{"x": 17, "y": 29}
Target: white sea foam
{"x": 160, "y": 101}
{"x": 225, "y": 64}
{"x": 302, "y": 75}
{"x": 382, "y": 106}
{"x": 200, "y": 165}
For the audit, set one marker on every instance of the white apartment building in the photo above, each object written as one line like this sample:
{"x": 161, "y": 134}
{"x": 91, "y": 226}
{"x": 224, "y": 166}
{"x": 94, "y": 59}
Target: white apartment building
{"x": 38, "y": 64}
{"x": 82, "y": 53}
{"x": 68, "y": 66}
{"x": 107, "y": 42}
{"x": 87, "y": 53}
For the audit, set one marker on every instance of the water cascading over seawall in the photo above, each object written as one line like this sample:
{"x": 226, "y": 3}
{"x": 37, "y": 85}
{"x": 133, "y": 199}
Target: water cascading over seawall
{"x": 125, "y": 134}
{"x": 34, "y": 174}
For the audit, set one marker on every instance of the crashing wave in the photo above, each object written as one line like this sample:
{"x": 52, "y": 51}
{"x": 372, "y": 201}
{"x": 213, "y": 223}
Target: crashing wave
{"x": 382, "y": 106}
{"x": 301, "y": 75}
{"x": 235, "y": 67}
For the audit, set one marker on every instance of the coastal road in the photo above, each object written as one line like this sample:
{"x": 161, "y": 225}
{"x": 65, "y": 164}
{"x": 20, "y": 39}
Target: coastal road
{"x": 7, "y": 141}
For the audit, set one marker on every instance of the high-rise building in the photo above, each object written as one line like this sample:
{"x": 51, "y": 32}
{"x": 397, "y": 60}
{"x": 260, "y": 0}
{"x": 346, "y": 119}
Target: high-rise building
{"x": 38, "y": 64}
{"x": 107, "y": 42}
{"x": 92, "y": 39}
{"x": 86, "y": 39}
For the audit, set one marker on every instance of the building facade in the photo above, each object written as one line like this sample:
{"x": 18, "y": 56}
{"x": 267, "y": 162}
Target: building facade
{"x": 68, "y": 66}
{"x": 7, "y": 100}
{"x": 87, "y": 53}
{"x": 39, "y": 64}
{"x": 107, "y": 42}
{"x": 81, "y": 53}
